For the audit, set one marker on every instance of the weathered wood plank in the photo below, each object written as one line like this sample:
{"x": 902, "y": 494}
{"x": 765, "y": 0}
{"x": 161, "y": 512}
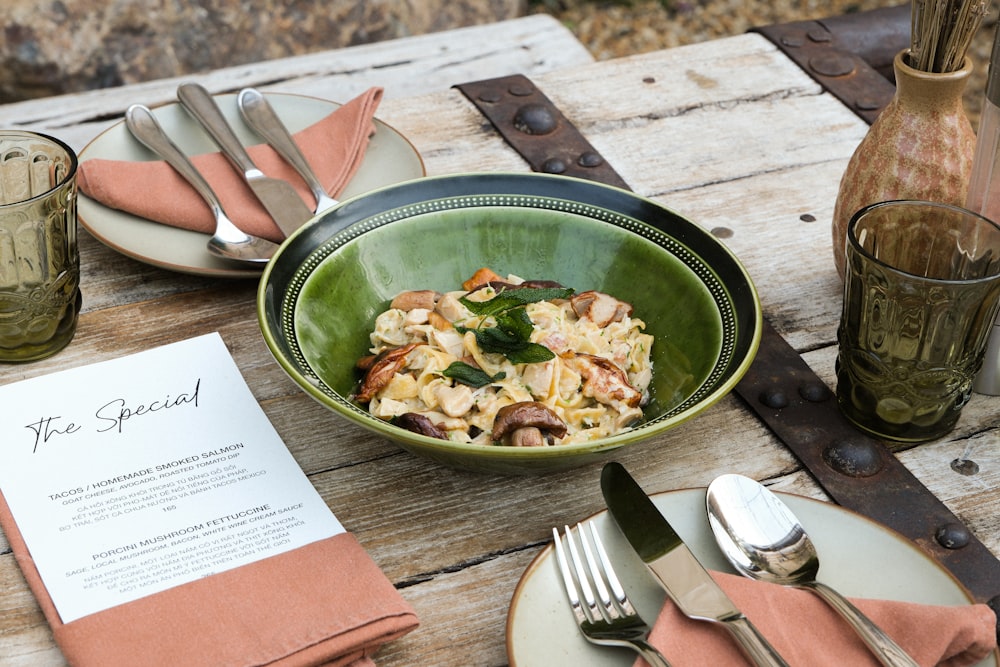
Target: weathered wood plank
{"x": 405, "y": 67}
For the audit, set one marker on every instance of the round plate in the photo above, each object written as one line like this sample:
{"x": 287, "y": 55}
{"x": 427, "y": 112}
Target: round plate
{"x": 858, "y": 557}
{"x": 390, "y": 158}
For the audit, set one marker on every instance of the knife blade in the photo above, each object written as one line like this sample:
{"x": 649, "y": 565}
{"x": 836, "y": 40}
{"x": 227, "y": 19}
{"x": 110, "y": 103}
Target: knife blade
{"x": 258, "y": 113}
{"x": 686, "y": 581}
{"x": 280, "y": 199}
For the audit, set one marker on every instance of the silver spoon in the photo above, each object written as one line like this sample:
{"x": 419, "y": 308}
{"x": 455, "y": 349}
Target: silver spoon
{"x": 261, "y": 117}
{"x": 228, "y": 241}
{"x": 764, "y": 540}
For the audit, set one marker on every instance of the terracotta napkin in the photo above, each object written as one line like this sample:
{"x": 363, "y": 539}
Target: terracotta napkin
{"x": 326, "y": 603}
{"x": 334, "y": 147}
{"x": 808, "y": 633}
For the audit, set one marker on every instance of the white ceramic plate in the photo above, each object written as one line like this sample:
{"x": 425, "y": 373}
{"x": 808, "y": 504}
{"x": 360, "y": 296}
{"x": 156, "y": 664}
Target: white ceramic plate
{"x": 857, "y": 556}
{"x": 390, "y": 158}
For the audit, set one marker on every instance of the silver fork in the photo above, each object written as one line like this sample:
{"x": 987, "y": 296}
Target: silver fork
{"x": 602, "y": 620}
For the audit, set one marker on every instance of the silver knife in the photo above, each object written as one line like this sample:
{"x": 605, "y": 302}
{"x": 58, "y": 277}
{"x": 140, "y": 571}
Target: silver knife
{"x": 685, "y": 580}
{"x": 261, "y": 117}
{"x": 280, "y": 199}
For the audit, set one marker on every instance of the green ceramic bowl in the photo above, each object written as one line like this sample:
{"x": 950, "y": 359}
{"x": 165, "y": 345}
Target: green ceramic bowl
{"x": 321, "y": 292}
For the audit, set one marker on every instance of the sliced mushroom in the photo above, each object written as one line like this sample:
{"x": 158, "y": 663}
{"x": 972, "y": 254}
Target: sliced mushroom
{"x": 602, "y": 309}
{"x": 424, "y": 298}
{"x": 418, "y": 423}
{"x": 480, "y": 278}
{"x": 381, "y": 371}
{"x": 526, "y": 416}
{"x": 529, "y": 436}
{"x": 604, "y": 381}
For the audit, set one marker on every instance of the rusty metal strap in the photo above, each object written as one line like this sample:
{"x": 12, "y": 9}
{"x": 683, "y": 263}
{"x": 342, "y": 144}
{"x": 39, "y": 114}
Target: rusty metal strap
{"x": 533, "y": 126}
{"x": 850, "y": 56}
{"x": 856, "y": 471}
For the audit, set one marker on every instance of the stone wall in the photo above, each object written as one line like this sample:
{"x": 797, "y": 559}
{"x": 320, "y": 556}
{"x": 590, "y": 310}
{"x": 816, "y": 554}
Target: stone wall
{"x": 51, "y": 47}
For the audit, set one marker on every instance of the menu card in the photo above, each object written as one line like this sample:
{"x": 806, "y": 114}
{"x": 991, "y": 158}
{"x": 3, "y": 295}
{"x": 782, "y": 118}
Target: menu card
{"x": 135, "y": 475}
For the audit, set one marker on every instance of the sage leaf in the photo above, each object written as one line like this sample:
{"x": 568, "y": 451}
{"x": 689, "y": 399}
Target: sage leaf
{"x": 459, "y": 371}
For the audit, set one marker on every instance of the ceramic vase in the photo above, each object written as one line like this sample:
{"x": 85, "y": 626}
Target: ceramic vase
{"x": 920, "y": 147}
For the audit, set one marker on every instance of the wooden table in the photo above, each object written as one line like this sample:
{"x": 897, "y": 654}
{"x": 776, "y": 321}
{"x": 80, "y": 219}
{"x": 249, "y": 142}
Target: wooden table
{"x": 730, "y": 133}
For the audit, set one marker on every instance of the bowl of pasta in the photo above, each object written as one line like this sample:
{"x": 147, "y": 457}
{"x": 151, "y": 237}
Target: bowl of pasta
{"x": 509, "y": 323}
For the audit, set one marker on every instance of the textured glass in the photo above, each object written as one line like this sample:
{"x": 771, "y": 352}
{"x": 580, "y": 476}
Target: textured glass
{"x": 920, "y": 295}
{"x": 39, "y": 259}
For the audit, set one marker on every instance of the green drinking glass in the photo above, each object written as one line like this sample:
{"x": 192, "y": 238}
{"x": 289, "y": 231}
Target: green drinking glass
{"x": 39, "y": 259}
{"x": 921, "y": 291}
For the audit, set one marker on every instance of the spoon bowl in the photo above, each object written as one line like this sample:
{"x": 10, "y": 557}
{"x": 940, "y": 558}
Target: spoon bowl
{"x": 764, "y": 540}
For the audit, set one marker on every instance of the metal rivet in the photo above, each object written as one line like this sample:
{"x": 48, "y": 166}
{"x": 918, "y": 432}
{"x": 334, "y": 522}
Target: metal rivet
{"x": 490, "y": 96}
{"x": 965, "y": 467}
{"x": 774, "y": 398}
{"x": 866, "y": 103}
{"x": 807, "y": 217}
{"x": 831, "y": 65}
{"x": 554, "y": 165}
{"x": 952, "y": 536}
{"x": 722, "y": 232}
{"x": 819, "y": 35}
{"x": 518, "y": 90}
{"x": 815, "y": 392}
{"x": 590, "y": 159}
{"x": 853, "y": 458}
{"x": 534, "y": 119}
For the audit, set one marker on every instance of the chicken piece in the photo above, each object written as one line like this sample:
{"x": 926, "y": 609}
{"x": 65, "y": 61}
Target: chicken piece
{"x": 450, "y": 308}
{"x": 454, "y": 401}
{"x": 538, "y": 378}
{"x": 600, "y": 308}
{"x": 604, "y": 381}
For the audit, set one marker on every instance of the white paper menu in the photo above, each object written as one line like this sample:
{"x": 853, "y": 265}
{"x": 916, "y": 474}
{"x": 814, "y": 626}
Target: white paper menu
{"x": 134, "y": 475}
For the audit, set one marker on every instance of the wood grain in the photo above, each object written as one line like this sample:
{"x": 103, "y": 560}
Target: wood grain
{"x": 729, "y": 133}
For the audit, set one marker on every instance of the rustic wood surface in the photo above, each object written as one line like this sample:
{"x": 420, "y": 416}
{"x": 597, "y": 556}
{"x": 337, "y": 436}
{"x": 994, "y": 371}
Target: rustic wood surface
{"x": 729, "y": 133}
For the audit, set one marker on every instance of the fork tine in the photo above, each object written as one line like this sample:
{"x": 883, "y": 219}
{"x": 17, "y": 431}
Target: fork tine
{"x": 595, "y": 574}
{"x": 567, "y": 577}
{"x": 609, "y": 572}
{"x": 581, "y": 575}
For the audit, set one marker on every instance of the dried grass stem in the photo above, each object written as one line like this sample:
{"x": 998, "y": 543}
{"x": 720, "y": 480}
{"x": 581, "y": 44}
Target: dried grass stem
{"x": 941, "y": 31}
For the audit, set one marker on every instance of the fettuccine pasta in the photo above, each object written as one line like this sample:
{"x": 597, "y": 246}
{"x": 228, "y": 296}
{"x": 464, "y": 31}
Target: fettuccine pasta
{"x": 577, "y": 369}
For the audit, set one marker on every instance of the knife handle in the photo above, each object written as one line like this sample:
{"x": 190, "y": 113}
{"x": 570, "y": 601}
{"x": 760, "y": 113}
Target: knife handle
{"x": 758, "y": 649}
{"x": 199, "y": 103}
{"x": 261, "y": 117}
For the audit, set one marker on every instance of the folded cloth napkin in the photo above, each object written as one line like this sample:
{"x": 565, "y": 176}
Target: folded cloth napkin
{"x": 808, "y": 633}
{"x": 324, "y": 604}
{"x": 334, "y": 147}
